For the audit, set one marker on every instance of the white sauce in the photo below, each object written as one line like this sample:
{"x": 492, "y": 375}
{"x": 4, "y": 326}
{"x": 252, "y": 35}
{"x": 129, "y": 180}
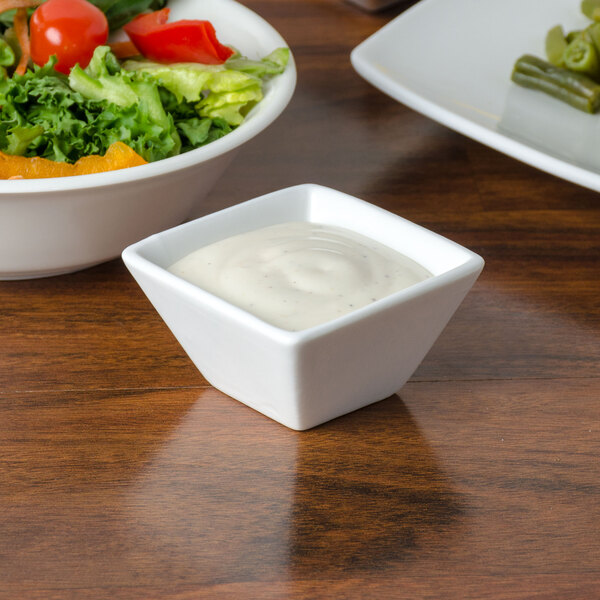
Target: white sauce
{"x": 297, "y": 275}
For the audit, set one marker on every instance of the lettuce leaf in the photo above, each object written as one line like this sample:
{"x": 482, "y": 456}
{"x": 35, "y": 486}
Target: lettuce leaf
{"x": 158, "y": 110}
{"x": 224, "y": 92}
{"x": 103, "y": 81}
{"x": 216, "y": 92}
{"x": 193, "y": 130}
{"x": 41, "y": 115}
{"x": 269, "y": 66}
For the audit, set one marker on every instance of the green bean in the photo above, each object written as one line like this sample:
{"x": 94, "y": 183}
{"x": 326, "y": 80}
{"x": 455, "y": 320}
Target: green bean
{"x": 574, "y": 88}
{"x": 593, "y": 34}
{"x": 556, "y": 44}
{"x": 573, "y": 35}
{"x": 581, "y": 56}
{"x": 591, "y": 9}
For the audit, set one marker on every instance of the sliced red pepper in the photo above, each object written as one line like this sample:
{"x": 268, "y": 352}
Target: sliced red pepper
{"x": 180, "y": 41}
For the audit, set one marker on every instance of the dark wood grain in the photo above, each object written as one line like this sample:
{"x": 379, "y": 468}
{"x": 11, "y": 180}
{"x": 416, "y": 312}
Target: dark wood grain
{"x": 124, "y": 475}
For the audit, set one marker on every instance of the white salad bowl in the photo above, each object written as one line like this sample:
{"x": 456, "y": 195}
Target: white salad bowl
{"x": 304, "y": 378}
{"x": 54, "y": 226}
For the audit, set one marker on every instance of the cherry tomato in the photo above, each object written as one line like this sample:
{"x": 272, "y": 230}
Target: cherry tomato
{"x": 69, "y": 29}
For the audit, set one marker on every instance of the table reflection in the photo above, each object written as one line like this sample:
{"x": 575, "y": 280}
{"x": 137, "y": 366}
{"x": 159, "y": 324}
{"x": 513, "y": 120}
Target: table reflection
{"x": 257, "y": 497}
{"x": 201, "y": 489}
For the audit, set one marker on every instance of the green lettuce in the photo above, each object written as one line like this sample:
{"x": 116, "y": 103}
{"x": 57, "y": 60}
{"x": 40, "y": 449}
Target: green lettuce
{"x": 216, "y": 92}
{"x": 269, "y": 66}
{"x": 103, "y": 82}
{"x": 193, "y": 130}
{"x": 157, "y": 110}
{"x": 7, "y": 54}
{"x": 42, "y": 115}
{"x": 224, "y": 92}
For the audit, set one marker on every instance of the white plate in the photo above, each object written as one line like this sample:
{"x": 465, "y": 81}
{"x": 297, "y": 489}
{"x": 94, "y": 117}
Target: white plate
{"x": 452, "y": 61}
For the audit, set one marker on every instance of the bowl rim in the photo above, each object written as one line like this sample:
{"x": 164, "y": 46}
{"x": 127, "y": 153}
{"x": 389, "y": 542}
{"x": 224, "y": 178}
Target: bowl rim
{"x": 134, "y": 259}
{"x": 279, "y": 92}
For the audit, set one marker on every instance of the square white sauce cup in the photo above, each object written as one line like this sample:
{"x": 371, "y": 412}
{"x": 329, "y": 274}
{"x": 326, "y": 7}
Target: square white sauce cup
{"x": 304, "y": 378}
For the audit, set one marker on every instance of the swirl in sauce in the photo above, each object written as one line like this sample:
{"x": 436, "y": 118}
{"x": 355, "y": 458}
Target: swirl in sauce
{"x": 296, "y": 275}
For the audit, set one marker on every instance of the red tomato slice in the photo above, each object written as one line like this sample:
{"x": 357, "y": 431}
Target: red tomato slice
{"x": 180, "y": 41}
{"x": 69, "y": 29}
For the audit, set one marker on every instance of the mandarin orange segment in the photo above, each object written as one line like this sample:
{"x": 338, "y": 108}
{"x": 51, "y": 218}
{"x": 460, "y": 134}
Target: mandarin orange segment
{"x": 118, "y": 156}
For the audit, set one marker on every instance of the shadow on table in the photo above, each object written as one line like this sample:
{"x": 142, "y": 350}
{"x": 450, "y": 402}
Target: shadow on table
{"x": 218, "y": 493}
{"x": 368, "y": 491}
{"x": 233, "y": 496}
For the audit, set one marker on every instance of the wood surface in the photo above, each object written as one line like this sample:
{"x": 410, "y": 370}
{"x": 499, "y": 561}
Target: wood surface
{"x": 124, "y": 475}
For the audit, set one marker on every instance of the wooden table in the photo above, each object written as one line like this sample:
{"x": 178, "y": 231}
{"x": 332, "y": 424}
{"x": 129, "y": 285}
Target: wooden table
{"x": 124, "y": 475}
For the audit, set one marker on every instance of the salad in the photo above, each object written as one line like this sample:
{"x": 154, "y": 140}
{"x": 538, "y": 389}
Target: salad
{"x": 73, "y": 95}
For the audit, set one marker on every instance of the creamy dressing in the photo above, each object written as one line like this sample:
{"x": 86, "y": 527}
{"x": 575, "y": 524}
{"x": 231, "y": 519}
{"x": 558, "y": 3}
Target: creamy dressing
{"x": 296, "y": 275}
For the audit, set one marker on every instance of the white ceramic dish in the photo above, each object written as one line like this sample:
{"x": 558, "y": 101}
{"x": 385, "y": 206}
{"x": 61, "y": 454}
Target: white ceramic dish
{"x": 305, "y": 378}
{"x": 452, "y": 62}
{"x": 53, "y": 226}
